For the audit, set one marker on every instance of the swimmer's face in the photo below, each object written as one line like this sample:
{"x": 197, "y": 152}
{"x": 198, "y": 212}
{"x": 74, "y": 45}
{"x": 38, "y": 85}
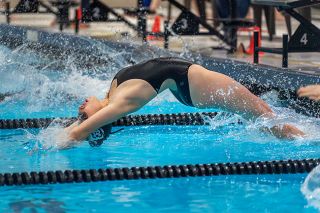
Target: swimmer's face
{"x": 90, "y": 106}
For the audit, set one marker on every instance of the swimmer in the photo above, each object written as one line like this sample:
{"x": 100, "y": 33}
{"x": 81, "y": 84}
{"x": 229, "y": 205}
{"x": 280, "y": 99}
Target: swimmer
{"x": 193, "y": 85}
{"x": 311, "y": 91}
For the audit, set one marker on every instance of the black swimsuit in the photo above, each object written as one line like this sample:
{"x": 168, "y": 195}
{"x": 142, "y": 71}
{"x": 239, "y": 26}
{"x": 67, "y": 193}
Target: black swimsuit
{"x": 156, "y": 71}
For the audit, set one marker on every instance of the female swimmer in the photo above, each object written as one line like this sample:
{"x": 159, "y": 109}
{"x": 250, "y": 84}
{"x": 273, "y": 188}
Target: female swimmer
{"x": 193, "y": 85}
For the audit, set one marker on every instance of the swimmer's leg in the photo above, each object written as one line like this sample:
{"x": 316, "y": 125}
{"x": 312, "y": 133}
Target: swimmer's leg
{"x": 214, "y": 90}
{"x": 210, "y": 89}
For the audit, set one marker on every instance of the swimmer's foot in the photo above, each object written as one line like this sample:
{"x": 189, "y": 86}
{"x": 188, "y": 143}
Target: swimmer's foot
{"x": 286, "y": 131}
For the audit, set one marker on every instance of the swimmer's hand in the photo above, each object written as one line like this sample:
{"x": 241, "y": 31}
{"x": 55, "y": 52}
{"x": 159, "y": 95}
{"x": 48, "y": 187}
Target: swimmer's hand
{"x": 311, "y": 91}
{"x": 66, "y": 139}
{"x": 285, "y": 131}
{"x": 63, "y": 140}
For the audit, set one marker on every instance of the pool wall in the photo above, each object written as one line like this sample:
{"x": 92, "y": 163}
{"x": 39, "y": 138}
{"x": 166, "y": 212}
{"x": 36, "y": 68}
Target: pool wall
{"x": 257, "y": 78}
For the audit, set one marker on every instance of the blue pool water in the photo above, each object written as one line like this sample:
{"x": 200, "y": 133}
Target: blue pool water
{"x": 45, "y": 87}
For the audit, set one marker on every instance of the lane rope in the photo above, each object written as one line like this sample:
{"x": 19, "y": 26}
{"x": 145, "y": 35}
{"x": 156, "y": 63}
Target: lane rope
{"x": 130, "y": 120}
{"x": 154, "y": 172}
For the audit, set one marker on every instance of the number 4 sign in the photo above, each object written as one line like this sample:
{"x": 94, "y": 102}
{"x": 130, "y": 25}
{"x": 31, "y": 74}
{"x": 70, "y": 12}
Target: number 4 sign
{"x": 304, "y": 39}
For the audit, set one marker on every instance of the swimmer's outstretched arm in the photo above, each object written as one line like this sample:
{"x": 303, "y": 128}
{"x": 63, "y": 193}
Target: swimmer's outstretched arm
{"x": 106, "y": 115}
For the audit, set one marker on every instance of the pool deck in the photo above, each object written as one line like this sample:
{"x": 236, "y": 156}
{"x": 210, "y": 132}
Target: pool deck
{"x": 117, "y": 31}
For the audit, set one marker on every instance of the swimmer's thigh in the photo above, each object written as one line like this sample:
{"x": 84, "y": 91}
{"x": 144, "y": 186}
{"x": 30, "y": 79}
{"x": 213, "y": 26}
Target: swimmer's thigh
{"x": 210, "y": 89}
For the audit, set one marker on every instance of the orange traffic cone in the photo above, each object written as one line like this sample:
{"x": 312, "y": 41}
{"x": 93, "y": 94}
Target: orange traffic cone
{"x": 155, "y": 28}
{"x": 250, "y": 49}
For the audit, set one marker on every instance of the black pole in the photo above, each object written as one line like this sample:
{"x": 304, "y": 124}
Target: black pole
{"x": 144, "y": 27}
{"x": 7, "y": 12}
{"x": 76, "y": 22}
{"x": 285, "y": 51}
{"x": 166, "y": 34}
{"x": 60, "y": 26}
{"x": 169, "y": 11}
{"x": 256, "y": 47}
{"x": 142, "y": 22}
{"x": 233, "y": 30}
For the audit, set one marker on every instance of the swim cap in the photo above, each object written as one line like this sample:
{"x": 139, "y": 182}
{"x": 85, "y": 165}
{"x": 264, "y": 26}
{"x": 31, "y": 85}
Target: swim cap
{"x": 97, "y": 137}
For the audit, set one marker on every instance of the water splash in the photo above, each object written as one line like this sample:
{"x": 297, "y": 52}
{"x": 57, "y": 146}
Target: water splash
{"x": 311, "y": 188}
{"x": 51, "y": 84}
{"x": 309, "y": 125}
{"x": 40, "y": 87}
{"x": 52, "y": 138}
{"x": 222, "y": 119}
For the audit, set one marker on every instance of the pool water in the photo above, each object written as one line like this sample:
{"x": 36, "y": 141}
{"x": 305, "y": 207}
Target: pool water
{"x": 43, "y": 87}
